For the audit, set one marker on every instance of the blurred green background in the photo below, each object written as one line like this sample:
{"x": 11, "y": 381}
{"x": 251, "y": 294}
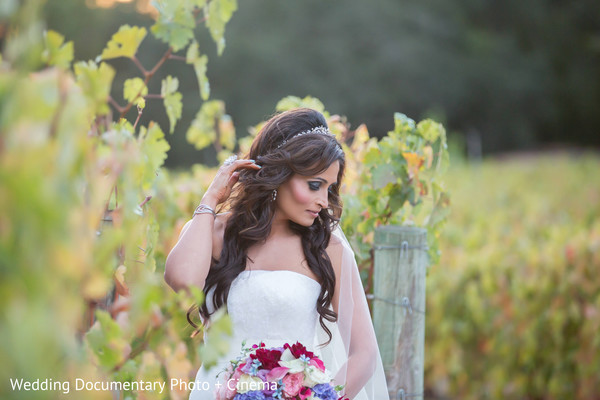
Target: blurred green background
{"x": 501, "y": 76}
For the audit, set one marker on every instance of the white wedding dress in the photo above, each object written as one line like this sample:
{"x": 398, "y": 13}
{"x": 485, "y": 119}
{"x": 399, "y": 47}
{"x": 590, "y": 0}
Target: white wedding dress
{"x": 277, "y": 307}
{"x": 273, "y": 307}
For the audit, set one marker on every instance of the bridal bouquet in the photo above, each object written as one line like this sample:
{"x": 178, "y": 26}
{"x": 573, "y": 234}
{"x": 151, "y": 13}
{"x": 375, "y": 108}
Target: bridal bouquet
{"x": 288, "y": 372}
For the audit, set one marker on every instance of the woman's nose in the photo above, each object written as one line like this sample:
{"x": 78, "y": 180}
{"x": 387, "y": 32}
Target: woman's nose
{"x": 323, "y": 201}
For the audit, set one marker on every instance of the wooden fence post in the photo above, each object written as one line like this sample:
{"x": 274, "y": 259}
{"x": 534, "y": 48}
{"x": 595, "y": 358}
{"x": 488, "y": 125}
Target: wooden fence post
{"x": 400, "y": 256}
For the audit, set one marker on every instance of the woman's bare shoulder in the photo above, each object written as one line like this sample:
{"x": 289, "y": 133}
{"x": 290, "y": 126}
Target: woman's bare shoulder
{"x": 335, "y": 251}
{"x": 334, "y": 242}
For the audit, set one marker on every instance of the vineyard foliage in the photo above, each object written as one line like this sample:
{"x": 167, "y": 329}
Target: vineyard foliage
{"x": 82, "y": 246}
{"x": 513, "y": 309}
{"x": 92, "y": 215}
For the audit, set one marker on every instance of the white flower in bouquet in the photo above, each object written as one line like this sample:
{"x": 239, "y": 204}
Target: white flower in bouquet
{"x": 248, "y": 383}
{"x": 314, "y": 376}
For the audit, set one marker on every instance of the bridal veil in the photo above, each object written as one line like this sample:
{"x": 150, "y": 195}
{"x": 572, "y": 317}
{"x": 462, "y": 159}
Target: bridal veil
{"x": 352, "y": 356}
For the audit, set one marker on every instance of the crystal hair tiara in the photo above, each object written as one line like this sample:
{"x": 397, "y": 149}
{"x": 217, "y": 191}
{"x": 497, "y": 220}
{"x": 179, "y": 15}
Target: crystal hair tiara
{"x": 318, "y": 130}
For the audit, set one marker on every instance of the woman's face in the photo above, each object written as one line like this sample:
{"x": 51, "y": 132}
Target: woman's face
{"x": 302, "y": 197}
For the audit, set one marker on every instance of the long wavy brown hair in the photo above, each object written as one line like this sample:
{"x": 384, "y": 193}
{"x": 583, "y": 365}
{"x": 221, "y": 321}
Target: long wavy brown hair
{"x": 281, "y": 155}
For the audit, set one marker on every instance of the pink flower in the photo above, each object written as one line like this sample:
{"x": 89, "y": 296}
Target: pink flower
{"x": 226, "y": 391}
{"x": 240, "y": 367}
{"x": 317, "y": 363}
{"x": 293, "y": 383}
{"x": 276, "y": 374}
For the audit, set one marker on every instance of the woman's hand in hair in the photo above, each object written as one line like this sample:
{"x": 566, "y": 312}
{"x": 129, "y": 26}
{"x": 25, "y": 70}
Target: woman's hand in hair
{"x": 220, "y": 188}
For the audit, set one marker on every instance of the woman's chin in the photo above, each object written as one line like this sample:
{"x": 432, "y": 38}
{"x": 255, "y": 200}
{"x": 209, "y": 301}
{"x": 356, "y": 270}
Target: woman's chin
{"x": 306, "y": 222}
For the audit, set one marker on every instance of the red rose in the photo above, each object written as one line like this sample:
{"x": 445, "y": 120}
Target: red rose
{"x": 268, "y": 358}
{"x": 298, "y": 349}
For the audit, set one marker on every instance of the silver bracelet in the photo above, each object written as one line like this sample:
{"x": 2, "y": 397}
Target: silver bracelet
{"x": 204, "y": 209}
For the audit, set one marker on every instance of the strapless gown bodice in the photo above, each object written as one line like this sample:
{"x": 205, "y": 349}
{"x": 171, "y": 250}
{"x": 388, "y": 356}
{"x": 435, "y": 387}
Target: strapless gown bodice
{"x": 274, "y": 307}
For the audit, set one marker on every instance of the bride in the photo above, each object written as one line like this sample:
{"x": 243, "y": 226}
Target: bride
{"x": 278, "y": 260}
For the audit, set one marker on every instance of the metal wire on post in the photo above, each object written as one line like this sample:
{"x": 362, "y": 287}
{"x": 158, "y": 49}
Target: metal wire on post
{"x": 404, "y": 247}
{"x": 405, "y": 302}
{"x": 400, "y": 257}
{"x": 402, "y": 395}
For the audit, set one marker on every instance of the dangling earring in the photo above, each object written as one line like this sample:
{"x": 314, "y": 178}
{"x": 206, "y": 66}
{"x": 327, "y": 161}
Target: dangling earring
{"x": 274, "y": 195}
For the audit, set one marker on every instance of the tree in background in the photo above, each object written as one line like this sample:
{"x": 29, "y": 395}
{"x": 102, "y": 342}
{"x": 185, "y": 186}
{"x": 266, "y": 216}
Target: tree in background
{"x": 519, "y": 75}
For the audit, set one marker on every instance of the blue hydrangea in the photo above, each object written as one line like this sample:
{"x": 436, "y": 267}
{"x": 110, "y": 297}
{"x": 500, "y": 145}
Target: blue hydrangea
{"x": 251, "y": 395}
{"x": 254, "y": 367}
{"x": 304, "y": 358}
{"x": 325, "y": 391}
{"x": 278, "y": 394}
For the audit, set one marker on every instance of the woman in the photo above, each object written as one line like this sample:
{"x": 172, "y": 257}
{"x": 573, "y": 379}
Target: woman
{"x": 277, "y": 259}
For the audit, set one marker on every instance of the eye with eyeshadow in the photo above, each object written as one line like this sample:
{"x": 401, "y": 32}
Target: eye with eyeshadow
{"x": 314, "y": 186}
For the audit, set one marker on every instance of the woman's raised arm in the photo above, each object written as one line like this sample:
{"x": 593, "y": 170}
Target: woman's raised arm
{"x": 189, "y": 261}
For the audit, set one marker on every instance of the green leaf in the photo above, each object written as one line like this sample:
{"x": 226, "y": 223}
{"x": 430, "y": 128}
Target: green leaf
{"x": 289, "y": 102}
{"x": 398, "y": 197}
{"x": 430, "y": 130}
{"x": 55, "y": 52}
{"x": 125, "y": 42}
{"x": 226, "y": 132}
{"x": 373, "y": 156}
{"x": 202, "y": 131}
{"x": 128, "y": 372}
{"x": 175, "y": 24}
{"x": 172, "y": 100}
{"x": 443, "y": 155}
{"x": 152, "y": 230}
{"x": 223, "y": 155}
{"x": 154, "y": 149}
{"x": 105, "y": 340}
{"x": 169, "y": 85}
{"x": 364, "y": 227}
{"x": 412, "y": 197}
{"x": 382, "y": 175}
{"x": 134, "y": 91}
{"x": 219, "y": 13}
{"x": 197, "y": 294}
{"x": 193, "y": 57}
{"x": 440, "y": 211}
{"x": 402, "y": 123}
{"x": 95, "y": 81}
{"x": 217, "y": 338}
{"x": 124, "y": 127}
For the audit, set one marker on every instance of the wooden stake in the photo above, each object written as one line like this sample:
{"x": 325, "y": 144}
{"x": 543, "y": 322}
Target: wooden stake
{"x": 401, "y": 260}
